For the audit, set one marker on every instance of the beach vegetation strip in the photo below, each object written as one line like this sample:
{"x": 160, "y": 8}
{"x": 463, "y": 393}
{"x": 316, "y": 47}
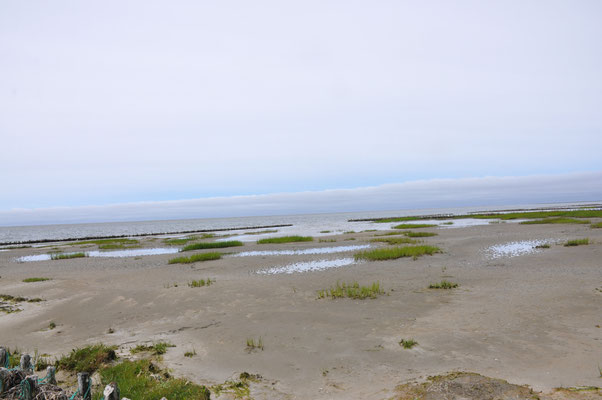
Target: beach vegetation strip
{"x": 156, "y": 349}
{"x": 201, "y": 283}
{"x": 196, "y": 258}
{"x": 413, "y": 226}
{"x": 87, "y": 359}
{"x": 392, "y": 253}
{"x": 59, "y": 256}
{"x": 577, "y": 242}
{"x": 597, "y": 225}
{"x": 36, "y": 279}
{"x": 212, "y": 245}
{"x": 286, "y": 239}
{"x": 111, "y": 244}
{"x": 419, "y": 234}
{"x": 185, "y": 240}
{"x": 352, "y": 290}
{"x": 556, "y": 220}
{"x": 407, "y": 343}
{"x": 395, "y": 240}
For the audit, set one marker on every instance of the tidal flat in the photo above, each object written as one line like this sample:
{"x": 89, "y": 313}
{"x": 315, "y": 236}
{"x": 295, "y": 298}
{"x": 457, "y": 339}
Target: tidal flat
{"x": 526, "y": 315}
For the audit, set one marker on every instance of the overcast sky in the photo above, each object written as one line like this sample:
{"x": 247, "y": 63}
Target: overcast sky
{"x": 107, "y": 102}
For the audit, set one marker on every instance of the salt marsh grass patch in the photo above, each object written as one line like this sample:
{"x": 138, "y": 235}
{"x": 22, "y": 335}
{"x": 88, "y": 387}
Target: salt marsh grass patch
{"x": 31, "y": 280}
{"x": 577, "y": 242}
{"x": 286, "y": 239}
{"x": 196, "y": 258}
{"x": 392, "y": 253}
{"x": 557, "y": 220}
{"x": 413, "y": 226}
{"x": 201, "y": 283}
{"x": 395, "y": 240}
{"x": 66, "y": 256}
{"x": 597, "y": 225}
{"x": 157, "y": 349}
{"x": 253, "y": 344}
{"x": 352, "y": 290}
{"x": 407, "y": 343}
{"x": 212, "y": 245}
{"x": 443, "y": 285}
{"x": 419, "y": 234}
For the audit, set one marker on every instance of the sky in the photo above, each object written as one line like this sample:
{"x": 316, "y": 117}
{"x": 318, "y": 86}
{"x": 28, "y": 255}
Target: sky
{"x": 118, "y": 102}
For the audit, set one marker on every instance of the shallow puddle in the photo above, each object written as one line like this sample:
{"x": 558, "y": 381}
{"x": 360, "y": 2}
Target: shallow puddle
{"x": 307, "y": 266}
{"x": 513, "y": 249}
{"x": 315, "y": 250}
{"x": 116, "y": 253}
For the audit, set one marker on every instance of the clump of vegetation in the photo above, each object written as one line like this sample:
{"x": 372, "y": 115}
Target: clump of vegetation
{"x": 52, "y": 325}
{"x": 327, "y": 240}
{"x": 577, "y": 242}
{"x": 143, "y": 380}
{"x": 212, "y": 245}
{"x": 196, "y": 257}
{"x": 557, "y": 220}
{"x": 254, "y": 345}
{"x": 419, "y": 234}
{"x": 156, "y": 349}
{"x": 395, "y": 240}
{"x": 597, "y": 225}
{"x": 261, "y": 232}
{"x": 413, "y": 226}
{"x": 589, "y": 213}
{"x": 30, "y": 280}
{"x": 352, "y": 291}
{"x": 67, "y": 256}
{"x": 110, "y": 244}
{"x": 181, "y": 241}
{"x": 201, "y": 283}
{"x": 19, "y": 299}
{"x": 543, "y": 246}
{"x": 190, "y": 354}
{"x": 286, "y": 239}
{"x": 239, "y": 389}
{"x": 87, "y": 359}
{"x": 325, "y": 231}
{"x": 392, "y": 253}
{"x": 407, "y": 343}
{"x": 443, "y": 285}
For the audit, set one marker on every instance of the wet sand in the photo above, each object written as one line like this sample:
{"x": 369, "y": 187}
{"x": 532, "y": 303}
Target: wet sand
{"x": 530, "y": 319}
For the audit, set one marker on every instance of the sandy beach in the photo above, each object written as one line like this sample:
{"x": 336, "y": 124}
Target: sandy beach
{"x": 530, "y": 319}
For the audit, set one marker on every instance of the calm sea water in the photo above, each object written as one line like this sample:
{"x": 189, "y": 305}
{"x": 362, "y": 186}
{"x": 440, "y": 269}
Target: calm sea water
{"x": 310, "y": 224}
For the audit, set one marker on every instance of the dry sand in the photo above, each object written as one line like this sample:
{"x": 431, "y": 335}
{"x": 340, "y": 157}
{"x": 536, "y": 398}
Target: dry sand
{"x": 531, "y": 319}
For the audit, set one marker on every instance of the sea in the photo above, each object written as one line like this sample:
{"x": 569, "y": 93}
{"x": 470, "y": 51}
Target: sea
{"x": 305, "y": 224}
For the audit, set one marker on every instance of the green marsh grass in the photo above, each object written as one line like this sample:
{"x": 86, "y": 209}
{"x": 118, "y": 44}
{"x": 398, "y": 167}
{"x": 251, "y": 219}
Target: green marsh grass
{"x": 181, "y": 241}
{"x": 253, "y": 345}
{"x": 57, "y": 256}
{"x": 109, "y": 244}
{"x": 597, "y": 225}
{"x": 30, "y": 280}
{"x": 195, "y": 258}
{"x": 261, "y": 232}
{"x": 395, "y": 240}
{"x": 190, "y": 353}
{"x": 502, "y": 216}
{"x": 577, "y": 242}
{"x": 19, "y": 299}
{"x": 407, "y": 343}
{"x": 87, "y": 359}
{"x": 52, "y": 325}
{"x": 443, "y": 285}
{"x": 286, "y": 239}
{"x": 156, "y": 349}
{"x": 327, "y": 240}
{"x": 352, "y": 290}
{"x": 413, "y": 226}
{"x": 556, "y": 220}
{"x": 419, "y": 234}
{"x": 201, "y": 283}
{"x": 543, "y": 246}
{"x": 143, "y": 380}
{"x": 392, "y": 253}
{"x": 212, "y": 245}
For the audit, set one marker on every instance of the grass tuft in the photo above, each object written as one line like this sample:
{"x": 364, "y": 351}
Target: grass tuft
{"x": 407, "y": 343}
{"x": 413, "y": 226}
{"x": 254, "y": 345}
{"x": 201, "y": 283}
{"x": 577, "y": 242}
{"x": 443, "y": 285}
{"x": 419, "y": 234}
{"x": 212, "y": 245}
{"x": 352, "y": 291}
{"x": 51, "y": 325}
{"x": 87, "y": 359}
{"x": 67, "y": 256}
{"x": 543, "y": 246}
{"x": 597, "y": 225}
{"x": 392, "y": 253}
{"x": 181, "y": 241}
{"x": 110, "y": 244}
{"x": 29, "y": 280}
{"x": 196, "y": 257}
{"x": 396, "y": 240}
{"x": 190, "y": 354}
{"x": 156, "y": 349}
{"x": 286, "y": 239}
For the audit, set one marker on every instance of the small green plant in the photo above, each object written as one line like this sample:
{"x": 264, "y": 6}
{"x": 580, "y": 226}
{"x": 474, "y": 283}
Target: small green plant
{"x": 392, "y": 253}
{"x": 212, "y": 245}
{"x": 325, "y": 231}
{"x": 181, "y": 241}
{"x": 443, "y": 285}
{"x": 238, "y": 389}
{"x": 87, "y": 359}
{"x": 597, "y": 225}
{"x": 201, "y": 283}
{"x": 68, "y": 256}
{"x": 156, "y": 349}
{"x": 30, "y": 280}
{"x": 407, "y": 343}
{"x": 261, "y": 232}
{"x": 543, "y": 246}
{"x": 352, "y": 290}
{"x": 327, "y": 240}
{"x": 286, "y": 239}
{"x": 577, "y": 242}
{"x": 395, "y": 240}
{"x": 195, "y": 258}
{"x": 254, "y": 345}
{"x": 413, "y": 226}
{"x": 419, "y": 234}
{"x": 190, "y": 354}
{"x": 51, "y": 325}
